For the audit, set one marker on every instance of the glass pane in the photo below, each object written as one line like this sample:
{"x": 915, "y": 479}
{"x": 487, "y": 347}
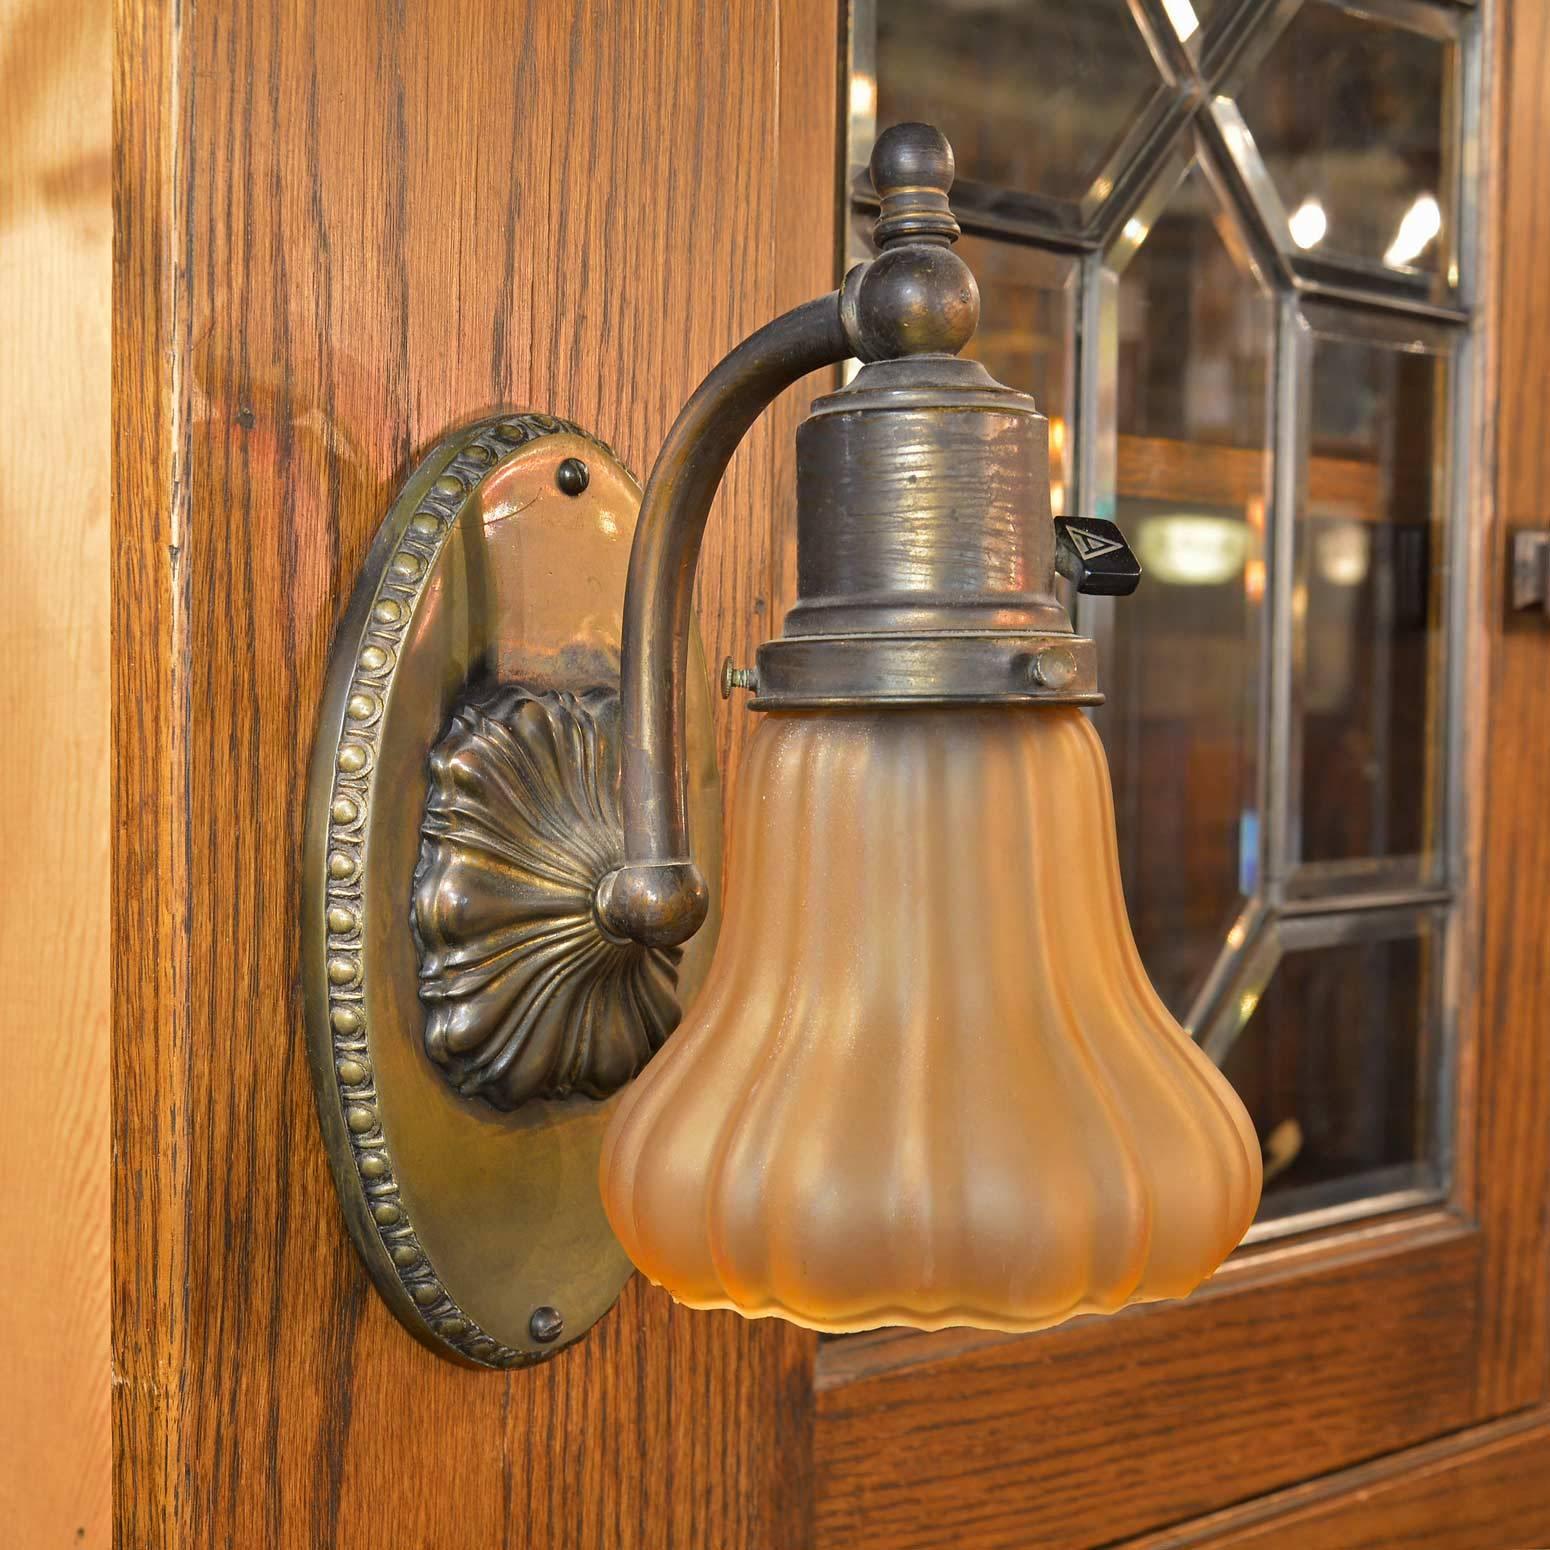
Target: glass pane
{"x": 1187, "y": 17}
{"x": 1034, "y": 97}
{"x": 1365, "y": 607}
{"x": 1334, "y": 1067}
{"x": 1348, "y": 114}
{"x": 1182, "y": 665}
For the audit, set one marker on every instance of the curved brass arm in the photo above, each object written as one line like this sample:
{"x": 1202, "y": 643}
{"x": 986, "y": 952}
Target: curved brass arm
{"x": 915, "y": 298}
{"x": 658, "y": 896}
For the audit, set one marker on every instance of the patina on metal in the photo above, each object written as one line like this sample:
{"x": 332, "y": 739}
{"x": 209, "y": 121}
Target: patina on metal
{"x": 659, "y": 897}
{"x": 466, "y": 1013}
{"x": 926, "y": 553}
{"x": 515, "y": 749}
{"x": 925, "y": 550}
{"x": 526, "y": 996}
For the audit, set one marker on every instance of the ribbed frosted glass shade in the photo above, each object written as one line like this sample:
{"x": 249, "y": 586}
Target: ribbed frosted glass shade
{"x": 927, "y": 1081}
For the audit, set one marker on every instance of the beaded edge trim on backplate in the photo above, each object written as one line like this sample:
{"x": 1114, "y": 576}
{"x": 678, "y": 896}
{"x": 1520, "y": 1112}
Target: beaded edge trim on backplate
{"x": 486, "y": 446}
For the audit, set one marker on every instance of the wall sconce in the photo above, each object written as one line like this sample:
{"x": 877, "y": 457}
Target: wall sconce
{"x": 922, "y": 1077}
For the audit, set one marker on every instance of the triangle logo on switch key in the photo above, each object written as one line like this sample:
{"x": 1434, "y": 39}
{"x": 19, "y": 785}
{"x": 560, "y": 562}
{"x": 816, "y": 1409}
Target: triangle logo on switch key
{"x": 1090, "y": 545}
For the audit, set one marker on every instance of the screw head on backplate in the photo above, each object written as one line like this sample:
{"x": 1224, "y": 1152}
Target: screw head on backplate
{"x": 572, "y": 476}
{"x": 546, "y": 1325}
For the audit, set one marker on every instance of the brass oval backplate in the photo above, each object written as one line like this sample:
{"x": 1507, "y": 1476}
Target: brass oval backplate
{"x": 462, "y": 1038}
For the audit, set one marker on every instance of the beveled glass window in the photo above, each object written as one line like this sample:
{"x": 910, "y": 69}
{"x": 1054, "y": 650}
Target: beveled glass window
{"x": 1226, "y": 244}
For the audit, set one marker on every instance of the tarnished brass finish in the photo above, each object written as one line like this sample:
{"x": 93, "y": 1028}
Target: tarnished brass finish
{"x": 526, "y": 996}
{"x": 925, "y": 550}
{"x": 659, "y": 896}
{"x": 923, "y": 507}
{"x": 925, "y": 553}
{"x": 482, "y": 1229}
{"x": 474, "y": 763}
{"x": 990, "y": 669}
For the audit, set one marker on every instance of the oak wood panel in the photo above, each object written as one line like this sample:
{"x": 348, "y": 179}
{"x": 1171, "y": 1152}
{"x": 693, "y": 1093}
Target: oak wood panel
{"x": 1512, "y": 1066}
{"x": 1104, "y": 1427}
{"x": 342, "y": 229}
{"x": 149, "y": 869}
{"x": 55, "y": 258}
{"x": 1486, "y": 1487}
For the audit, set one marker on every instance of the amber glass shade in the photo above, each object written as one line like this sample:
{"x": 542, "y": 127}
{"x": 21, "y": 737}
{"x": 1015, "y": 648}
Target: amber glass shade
{"x": 927, "y": 1081}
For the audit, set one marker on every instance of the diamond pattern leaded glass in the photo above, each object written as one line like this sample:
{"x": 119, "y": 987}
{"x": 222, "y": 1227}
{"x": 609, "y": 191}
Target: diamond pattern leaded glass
{"x": 1349, "y": 114}
{"x": 1184, "y": 656}
{"x": 971, "y": 67}
{"x": 1167, "y": 191}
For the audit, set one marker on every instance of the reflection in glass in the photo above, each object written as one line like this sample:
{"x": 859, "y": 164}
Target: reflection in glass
{"x": 1333, "y": 1066}
{"x": 1184, "y": 17}
{"x": 1365, "y": 606}
{"x": 1034, "y": 97}
{"x": 1348, "y": 114}
{"x": 1182, "y": 666}
{"x": 1308, "y": 223}
{"x": 1191, "y": 549}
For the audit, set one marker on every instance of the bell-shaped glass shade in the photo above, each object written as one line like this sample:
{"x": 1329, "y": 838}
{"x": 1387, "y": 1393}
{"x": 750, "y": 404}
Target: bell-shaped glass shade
{"x": 927, "y": 1081}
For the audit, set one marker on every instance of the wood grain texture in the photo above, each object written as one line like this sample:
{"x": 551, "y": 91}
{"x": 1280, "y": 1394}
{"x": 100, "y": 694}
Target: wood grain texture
{"x": 149, "y": 873}
{"x": 1488, "y": 1486}
{"x": 340, "y": 230}
{"x": 55, "y": 225}
{"x": 1104, "y": 1427}
{"x": 1512, "y": 1047}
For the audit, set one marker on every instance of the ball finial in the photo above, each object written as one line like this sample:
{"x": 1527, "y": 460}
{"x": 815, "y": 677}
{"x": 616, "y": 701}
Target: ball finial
{"x": 916, "y": 297}
{"x": 912, "y": 171}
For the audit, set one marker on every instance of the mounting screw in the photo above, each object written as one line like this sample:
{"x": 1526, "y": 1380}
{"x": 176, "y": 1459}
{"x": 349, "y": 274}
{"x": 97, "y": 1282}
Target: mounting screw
{"x": 572, "y": 476}
{"x": 1054, "y": 667}
{"x": 546, "y": 1325}
{"x": 737, "y": 678}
